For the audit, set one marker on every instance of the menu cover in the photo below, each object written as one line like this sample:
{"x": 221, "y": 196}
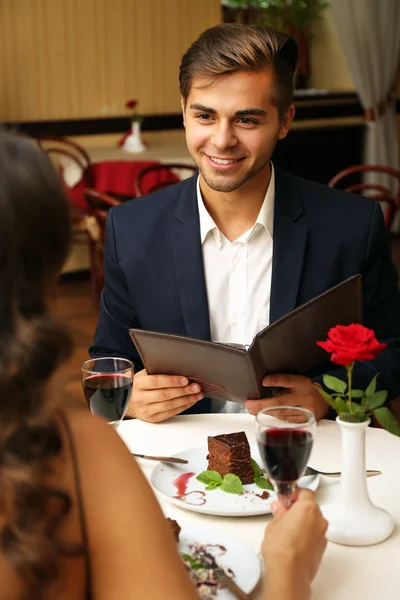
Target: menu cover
{"x": 233, "y": 372}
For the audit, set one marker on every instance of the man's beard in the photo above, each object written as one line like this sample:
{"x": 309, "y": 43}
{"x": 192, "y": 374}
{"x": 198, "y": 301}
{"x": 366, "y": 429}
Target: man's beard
{"x": 218, "y": 184}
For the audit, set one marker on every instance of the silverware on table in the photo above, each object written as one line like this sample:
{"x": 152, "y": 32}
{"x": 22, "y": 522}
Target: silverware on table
{"x": 166, "y": 459}
{"x": 311, "y": 471}
{"x": 224, "y": 579}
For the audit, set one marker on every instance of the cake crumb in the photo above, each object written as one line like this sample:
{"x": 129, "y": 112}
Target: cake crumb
{"x": 264, "y": 496}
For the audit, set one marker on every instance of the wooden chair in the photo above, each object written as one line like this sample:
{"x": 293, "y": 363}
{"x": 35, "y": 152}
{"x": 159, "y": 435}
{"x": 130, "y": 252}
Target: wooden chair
{"x": 156, "y": 177}
{"x": 61, "y": 152}
{"x": 377, "y": 191}
{"x": 98, "y": 205}
{"x": 68, "y": 156}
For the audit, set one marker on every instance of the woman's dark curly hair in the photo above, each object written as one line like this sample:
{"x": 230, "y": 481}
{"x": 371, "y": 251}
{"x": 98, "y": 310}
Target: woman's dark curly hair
{"x": 34, "y": 242}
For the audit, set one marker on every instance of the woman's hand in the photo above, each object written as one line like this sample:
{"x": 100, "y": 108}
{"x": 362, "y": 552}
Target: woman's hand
{"x": 292, "y": 549}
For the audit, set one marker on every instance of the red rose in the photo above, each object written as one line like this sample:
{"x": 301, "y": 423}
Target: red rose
{"x": 131, "y": 104}
{"x": 347, "y": 343}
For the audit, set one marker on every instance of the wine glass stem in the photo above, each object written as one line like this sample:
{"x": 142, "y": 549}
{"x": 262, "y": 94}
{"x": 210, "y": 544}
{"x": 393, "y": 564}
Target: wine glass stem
{"x": 286, "y": 492}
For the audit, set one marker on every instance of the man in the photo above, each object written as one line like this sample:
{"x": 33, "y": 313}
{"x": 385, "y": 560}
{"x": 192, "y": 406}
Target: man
{"x": 223, "y": 254}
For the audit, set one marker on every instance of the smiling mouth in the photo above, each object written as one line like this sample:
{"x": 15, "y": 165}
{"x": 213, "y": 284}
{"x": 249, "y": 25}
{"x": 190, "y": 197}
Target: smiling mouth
{"x": 224, "y": 161}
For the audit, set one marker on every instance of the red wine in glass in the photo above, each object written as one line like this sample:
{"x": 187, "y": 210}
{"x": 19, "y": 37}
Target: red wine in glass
{"x": 285, "y": 453}
{"x": 107, "y": 384}
{"x": 285, "y": 436}
{"x": 108, "y": 395}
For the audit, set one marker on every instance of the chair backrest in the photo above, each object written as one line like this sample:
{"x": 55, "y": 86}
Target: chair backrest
{"x": 377, "y": 191}
{"x": 98, "y": 205}
{"x": 99, "y": 201}
{"x": 155, "y": 177}
{"x": 72, "y": 162}
{"x": 48, "y": 143}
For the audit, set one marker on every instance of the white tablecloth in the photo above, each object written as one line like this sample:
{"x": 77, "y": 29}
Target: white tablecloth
{"x": 166, "y": 146}
{"x": 367, "y": 573}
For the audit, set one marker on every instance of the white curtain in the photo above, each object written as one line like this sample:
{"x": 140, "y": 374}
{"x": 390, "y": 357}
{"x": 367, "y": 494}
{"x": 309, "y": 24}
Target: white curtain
{"x": 369, "y": 31}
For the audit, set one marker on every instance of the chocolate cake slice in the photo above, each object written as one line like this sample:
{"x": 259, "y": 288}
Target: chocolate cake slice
{"x": 176, "y": 528}
{"x": 230, "y": 453}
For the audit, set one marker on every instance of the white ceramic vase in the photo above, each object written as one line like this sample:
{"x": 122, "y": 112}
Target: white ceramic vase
{"x": 133, "y": 142}
{"x": 353, "y": 519}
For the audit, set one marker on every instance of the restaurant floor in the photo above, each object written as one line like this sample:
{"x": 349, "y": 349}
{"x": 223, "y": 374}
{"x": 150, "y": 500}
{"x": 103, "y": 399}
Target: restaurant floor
{"x": 74, "y": 308}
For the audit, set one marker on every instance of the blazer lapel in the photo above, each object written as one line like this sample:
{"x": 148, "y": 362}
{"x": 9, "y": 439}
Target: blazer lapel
{"x": 189, "y": 264}
{"x": 289, "y": 247}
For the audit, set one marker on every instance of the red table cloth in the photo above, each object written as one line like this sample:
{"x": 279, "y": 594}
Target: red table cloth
{"x": 117, "y": 177}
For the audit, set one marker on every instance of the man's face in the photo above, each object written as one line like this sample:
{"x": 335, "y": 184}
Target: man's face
{"x": 232, "y": 127}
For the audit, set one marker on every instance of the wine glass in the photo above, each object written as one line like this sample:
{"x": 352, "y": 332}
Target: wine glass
{"x": 107, "y": 384}
{"x": 285, "y": 436}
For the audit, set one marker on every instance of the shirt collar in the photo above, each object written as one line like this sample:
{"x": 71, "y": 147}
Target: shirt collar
{"x": 207, "y": 223}
{"x": 265, "y": 216}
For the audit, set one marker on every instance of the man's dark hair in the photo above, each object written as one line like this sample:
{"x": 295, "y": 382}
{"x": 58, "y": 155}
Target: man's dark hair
{"x": 229, "y": 48}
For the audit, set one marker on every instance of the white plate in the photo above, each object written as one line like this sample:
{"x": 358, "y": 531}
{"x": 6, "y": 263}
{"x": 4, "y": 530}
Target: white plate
{"x": 243, "y": 562}
{"x": 214, "y": 502}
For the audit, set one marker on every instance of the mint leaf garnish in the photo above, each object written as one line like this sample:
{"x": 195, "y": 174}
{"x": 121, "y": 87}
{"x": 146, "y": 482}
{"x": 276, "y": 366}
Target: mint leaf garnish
{"x": 213, "y": 484}
{"x": 209, "y": 477}
{"x": 256, "y": 469}
{"x": 263, "y": 483}
{"x": 259, "y": 480}
{"x": 231, "y": 484}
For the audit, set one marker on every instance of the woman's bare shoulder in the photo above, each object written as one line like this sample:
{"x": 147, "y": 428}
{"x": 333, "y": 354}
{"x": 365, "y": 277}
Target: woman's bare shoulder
{"x": 125, "y": 523}
{"x": 98, "y": 446}
{"x": 84, "y": 424}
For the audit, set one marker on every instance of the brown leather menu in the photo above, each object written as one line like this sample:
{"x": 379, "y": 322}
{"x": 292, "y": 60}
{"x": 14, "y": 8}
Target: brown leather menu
{"x": 232, "y": 372}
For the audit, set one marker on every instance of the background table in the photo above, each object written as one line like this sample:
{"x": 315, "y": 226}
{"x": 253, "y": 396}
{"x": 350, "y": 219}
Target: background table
{"x": 162, "y": 146}
{"x": 347, "y": 573}
{"x": 115, "y": 170}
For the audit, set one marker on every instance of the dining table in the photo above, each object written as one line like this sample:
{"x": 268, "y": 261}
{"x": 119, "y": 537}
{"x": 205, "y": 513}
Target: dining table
{"x": 346, "y": 572}
{"x": 163, "y": 146}
{"x": 114, "y": 170}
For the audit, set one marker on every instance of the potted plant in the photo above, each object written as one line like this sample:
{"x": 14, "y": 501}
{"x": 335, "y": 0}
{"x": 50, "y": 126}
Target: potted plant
{"x": 294, "y": 17}
{"x": 353, "y": 519}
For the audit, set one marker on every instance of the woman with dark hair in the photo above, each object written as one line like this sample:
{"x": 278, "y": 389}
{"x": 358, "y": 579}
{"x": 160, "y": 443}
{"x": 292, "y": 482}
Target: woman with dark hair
{"x": 77, "y": 517}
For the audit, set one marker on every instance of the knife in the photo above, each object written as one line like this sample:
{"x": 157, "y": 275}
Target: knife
{"x": 166, "y": 459}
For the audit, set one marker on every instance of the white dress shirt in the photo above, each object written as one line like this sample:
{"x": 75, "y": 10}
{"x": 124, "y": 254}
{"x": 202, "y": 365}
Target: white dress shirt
{"x": 238, "y": 279}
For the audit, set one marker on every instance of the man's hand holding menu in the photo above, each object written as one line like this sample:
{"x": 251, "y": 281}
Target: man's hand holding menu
{"x": 296, "y": 390}
{"x": 283, "y": 351}
{"x": 156, "y": 398}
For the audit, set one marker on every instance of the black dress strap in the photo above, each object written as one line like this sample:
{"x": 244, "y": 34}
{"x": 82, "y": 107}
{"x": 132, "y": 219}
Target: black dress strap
{"x": 79, "y": 497}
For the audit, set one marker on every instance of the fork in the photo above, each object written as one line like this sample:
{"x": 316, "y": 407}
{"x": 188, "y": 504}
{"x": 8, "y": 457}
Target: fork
{"x": 224, "y": 579}
{"x": 311, "y": 471}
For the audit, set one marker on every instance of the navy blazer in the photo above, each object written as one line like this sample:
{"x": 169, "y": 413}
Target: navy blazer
{"x": 154, "y": 277}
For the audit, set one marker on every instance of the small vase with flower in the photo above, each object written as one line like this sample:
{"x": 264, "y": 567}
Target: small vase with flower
{"x": 354, "y": 520}
{"x": 133, "y": 142}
